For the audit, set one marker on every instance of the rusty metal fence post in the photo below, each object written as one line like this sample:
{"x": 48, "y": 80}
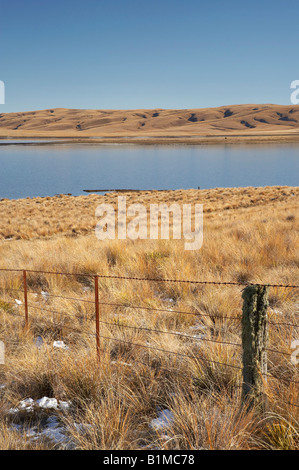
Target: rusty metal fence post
{"x": 97, "y": 310}
{"x": 25, "y": 299}
{"x": 254, "y": 343}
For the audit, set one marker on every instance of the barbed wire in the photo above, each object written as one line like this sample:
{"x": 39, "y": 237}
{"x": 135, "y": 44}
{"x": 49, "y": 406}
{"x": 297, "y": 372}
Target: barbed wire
{"x": 282, "y": 401}
{"x": 164, "y": 350}
{"x": 175, "y": 333}
{"x": 282, "y": 324}
{"x": 154, "y": 309}
{"x": 136, "y": 307}
{"x": 281, "y": 379}
{"x": 140, "y": 307}
{"x": 82, "y": 316}
{"x": 134, "y": 278}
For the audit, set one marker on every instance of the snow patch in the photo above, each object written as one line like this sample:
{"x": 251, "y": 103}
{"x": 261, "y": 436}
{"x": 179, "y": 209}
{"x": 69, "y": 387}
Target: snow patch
{"x": 163, "y": 421}
{"x": 45, "y": 295}
{"x": 52, "y": 403}
{"x": 60, "y": 344}
{"x": 28, "y": 404}
{"x": 52, "y": 430}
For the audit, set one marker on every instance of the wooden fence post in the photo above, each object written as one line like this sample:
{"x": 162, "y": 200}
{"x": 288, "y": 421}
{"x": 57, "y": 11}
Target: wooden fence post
{"x": 25, "y": 299}
{"x": 254, "y": 342}
{"x": 96, "y": 289}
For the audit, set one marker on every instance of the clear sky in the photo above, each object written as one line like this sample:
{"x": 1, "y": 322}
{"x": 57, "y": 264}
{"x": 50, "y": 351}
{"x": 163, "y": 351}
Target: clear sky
{"x": 128, "y": 54}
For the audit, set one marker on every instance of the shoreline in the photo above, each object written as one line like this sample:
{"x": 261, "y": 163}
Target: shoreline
{"x": 219, "y": 139}
{"x": 102, "y": 193}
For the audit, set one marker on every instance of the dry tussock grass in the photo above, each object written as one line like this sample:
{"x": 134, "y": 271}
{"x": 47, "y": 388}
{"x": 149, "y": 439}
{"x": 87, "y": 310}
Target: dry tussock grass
{"x": 249, "y": 235}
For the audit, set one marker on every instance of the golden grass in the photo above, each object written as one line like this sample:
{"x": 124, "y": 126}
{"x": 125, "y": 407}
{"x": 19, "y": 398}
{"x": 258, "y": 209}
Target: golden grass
{"x": 256, "y": 120}
{"x": 250, "y": 234}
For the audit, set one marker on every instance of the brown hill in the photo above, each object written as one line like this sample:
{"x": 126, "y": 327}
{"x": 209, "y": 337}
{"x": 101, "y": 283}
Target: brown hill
{"x": 267, "y": 119}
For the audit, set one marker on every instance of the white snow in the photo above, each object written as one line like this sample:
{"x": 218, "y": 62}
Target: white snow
{"x": 82, "y": 428}
{"x": 163, "y": 421}
{"x": 28, "y": 404}
{"x": 55, "y": 432}
{"x": 46, "y": 402}
{"x": 45, "y": 295}
{"x": 279, "y": 312}
{"x": 60, "y": 344}
{"x": 52, "y": 403}
{"x": 168, "y": 299}
{"x": 52, "y": 431}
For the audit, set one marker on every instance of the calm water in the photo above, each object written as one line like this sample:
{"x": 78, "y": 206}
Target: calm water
{"x": 49, "y": 170}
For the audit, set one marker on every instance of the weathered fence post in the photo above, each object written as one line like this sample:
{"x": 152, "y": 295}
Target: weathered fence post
{"x": 96, "y": 290}
{"x": 25, "y": 299}
{"x": 254, "y": 342}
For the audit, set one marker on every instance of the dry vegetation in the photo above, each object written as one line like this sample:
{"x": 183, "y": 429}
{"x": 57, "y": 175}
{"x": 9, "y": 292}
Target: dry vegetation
{"x": 250, "y": 119}
{"x": 250, "y": 234}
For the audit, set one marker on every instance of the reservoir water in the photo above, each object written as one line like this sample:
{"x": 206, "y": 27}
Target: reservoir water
{"x": 46, "y": 170}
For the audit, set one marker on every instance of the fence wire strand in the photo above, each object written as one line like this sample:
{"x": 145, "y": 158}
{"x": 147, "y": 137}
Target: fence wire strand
{"x": 134, "y": 278}
{"x": 83, "y": 316}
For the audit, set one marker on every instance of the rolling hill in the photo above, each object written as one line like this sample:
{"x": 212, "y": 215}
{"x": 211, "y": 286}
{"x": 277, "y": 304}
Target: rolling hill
{"x": 266, "y": 119}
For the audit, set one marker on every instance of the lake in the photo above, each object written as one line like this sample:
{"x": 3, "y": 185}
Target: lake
{"x": 46, "y": 170}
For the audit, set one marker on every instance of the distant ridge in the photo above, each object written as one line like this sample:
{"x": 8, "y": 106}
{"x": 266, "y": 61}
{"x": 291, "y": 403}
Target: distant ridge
{"x": 249, "y": 119}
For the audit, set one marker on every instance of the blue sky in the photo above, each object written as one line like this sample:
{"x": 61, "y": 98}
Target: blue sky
{"x": 128, "y": 54}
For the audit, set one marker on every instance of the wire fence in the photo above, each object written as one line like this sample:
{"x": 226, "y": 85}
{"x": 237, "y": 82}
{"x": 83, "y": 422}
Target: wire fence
{"x": 109, "y": 328}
